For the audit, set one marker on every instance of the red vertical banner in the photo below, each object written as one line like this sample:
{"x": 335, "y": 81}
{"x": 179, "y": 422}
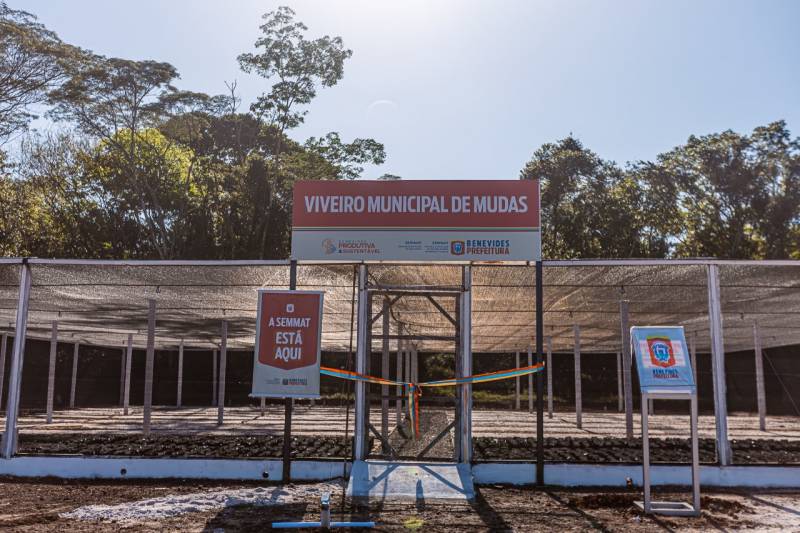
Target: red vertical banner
{"x": 288, "y": 344}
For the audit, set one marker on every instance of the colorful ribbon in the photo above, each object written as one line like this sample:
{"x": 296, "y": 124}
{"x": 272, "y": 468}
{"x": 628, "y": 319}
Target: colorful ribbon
{"x": 414, "y": 390}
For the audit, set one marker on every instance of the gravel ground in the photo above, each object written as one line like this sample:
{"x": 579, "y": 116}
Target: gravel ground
{"x": 55, "y": 505}
{"x": 566, "y": 449}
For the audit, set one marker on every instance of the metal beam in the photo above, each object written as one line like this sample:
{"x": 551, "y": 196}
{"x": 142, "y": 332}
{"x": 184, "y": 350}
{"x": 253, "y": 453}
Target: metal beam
{"x": 530, "y": 381}
{"x": 516, "y": 382}
{"x": 214, "y": 360}
{"x": 718, "y": 365}
{"x": 128, "y": 362}
{"x": 122, "y": 376}
{"x": 362, "y": 351}
{"x": 627, "y": 361}
{"x": 51, "y": 371}
{"x": 549, "y": 377}
{"x": 620, "y": 399}
{"x": 385, "y": 309}
{"x": 578, "y": 392}
{"x": 223, "y": 363}
{"x": 9, "y": 443}
{"x": 539, "y": 377}
{"x": 148, "y": 367}
{"x": 288, "y": 403}
{"x": 761, "y": 398}
{"x": 179, "y": 399}
{"x": 385, "y": 375}
{"x": 3, "y": 366}
{"x": 442, "y": 310}
{"x": 74, "y": 381}
{"x": 465, "y": 344}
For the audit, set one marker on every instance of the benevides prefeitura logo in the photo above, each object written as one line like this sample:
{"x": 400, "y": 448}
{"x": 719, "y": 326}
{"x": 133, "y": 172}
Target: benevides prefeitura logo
{"x": 328, "y": 247}
{"x": 457, "y": 247}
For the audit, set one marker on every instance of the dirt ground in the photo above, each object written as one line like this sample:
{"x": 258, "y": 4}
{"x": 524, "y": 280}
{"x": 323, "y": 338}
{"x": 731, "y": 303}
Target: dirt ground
{"x": 36, "y": 505}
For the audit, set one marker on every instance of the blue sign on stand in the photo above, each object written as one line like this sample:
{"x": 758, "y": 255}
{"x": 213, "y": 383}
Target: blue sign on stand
{"x": 662, "y": 358}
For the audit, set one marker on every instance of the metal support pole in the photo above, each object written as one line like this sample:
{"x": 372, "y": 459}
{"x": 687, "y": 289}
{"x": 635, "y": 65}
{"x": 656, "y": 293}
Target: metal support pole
{"x": 128, "y": 362}
{"x": 578, "y": 396}
{"x": 74, "y": 382}
{"x": 465, "y": 344}
{"x": 398, "y": 404}
{"x": 385, "y": 375}
{"x": 179, "y": 399}
{"x": 214, "y": 360}
{"x": 414, "y": 364}
{"x": 549, "y": 377}
{"x": 530, "y": 381}
{"x": 539, "y": 376}
{"x": 51, "y": 371}
{"x": 362, "y": 350}
{"x": 693, "y": 356}
{"x": 121, "y": 376}
{"x": 645, "y": 453}
{"x": 516, "y": 382}
{"x": 718, "y": 365}
{"x": 262, "y": 404}
{"x": 9, "y": 443}
{"x": 148, "y": 368}
{"x": 3, "y": 366}
{"x": 625, "y": 334}
{"x": 620, "y": 399}
{"x": 288, "y": 404}
{"x": 760, "y": 396}
{"x": 223, "y": 363}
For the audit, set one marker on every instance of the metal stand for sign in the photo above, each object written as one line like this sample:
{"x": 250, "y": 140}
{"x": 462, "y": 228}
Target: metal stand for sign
{"x": 670, "y": 508}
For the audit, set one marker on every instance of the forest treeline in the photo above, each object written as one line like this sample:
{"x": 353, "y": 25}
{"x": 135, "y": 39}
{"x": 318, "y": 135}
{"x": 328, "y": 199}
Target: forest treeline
{"x": 133, "y": 167}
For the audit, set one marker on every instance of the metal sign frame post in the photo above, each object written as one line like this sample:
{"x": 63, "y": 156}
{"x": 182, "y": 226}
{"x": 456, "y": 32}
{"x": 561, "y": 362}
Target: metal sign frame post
{"x": 660, "y": 507}
{"x": 665, "y": 373}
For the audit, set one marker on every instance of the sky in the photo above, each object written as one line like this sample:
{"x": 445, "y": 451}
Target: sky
{"x": 467, "y": 89}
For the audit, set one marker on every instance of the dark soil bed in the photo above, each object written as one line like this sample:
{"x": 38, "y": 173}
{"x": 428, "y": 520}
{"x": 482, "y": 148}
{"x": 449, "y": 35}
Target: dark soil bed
{"x": 617, "y": 450}
{"x": 571, "y": 450}
{"x": 183, "y": 446}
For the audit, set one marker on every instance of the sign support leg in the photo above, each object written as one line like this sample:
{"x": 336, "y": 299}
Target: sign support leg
{"x": 223, "y": 363}
{"x": 179, "y": 392}
{"x": 3, "y": 348}
{"x": 385, "y": 375}
{"x": 760, "y": 396}
{"x": 625, "y": 334}
{"x": 466, "y": 366}
{"x": 516, "y": 383}
{"x": 718, "y": 365}
{"x": 359, "y": 442}
{"x": 549, "y": 369}
{"x": 578, "y": 395}
{"x": 620, "y": 400}
{"x": 287, "y": 402}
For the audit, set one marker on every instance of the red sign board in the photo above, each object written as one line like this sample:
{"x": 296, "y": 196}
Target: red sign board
{"x": 416, "y": 220}
{"x": 288, "y": 338}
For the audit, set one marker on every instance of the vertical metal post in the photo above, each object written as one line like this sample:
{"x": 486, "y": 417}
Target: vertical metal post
{"x": 74, "y": 382}
{"x": 695, "y": 455}
{"x": 625, "y": 335}
{"x": 3, "y": 366}
{"x": 398, "y": 403}
{"x": 718, "y": 365}
{"x": 645, "y": 454}
{"x": 539, "y": 376}
{"x": 9, "y": 443}
{"x": 530, "y": 381}
{"x": 288, "y": 403}
{"x": 148, "y": 367}
{"x": 262, "y": 404}
{"x": 760, "y": 396}
{"x": 128, "y": 362}
{"x": 620, "y": 399}
{"x": 414, "y": 364}
{"x": 223, "y": 363}
{"x": 179, "y": 399}
{"x": 578, "y": 395}
{"x": 516, "y": 382}
{"x": 650, "y": 407}
{"x": 385, "y": 375}
{"x": 214, "y": 360}
{"x": 465, "y": 345}
{"x": 693, "y": 356}
{"x": 359, "y": 446}
{"x": 51, "y": 371}
{"x": 122, "y": 355}
{"x": 549, "y": 366}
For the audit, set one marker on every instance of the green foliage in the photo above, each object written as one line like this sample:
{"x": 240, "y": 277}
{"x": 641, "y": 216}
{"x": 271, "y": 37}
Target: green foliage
{"x": 724, "y": 195}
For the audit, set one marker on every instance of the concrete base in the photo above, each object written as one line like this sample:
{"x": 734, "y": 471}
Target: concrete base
{"x": 387, "y": 481}
{"x": 669, "y": 508}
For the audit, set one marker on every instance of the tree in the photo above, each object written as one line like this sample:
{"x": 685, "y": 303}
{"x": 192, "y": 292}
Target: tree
{"x": 105, "y": 98}
{"x": 739, "y": 195}
{"x": 33, "y": 61}
{"x": 590, "y": 207}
